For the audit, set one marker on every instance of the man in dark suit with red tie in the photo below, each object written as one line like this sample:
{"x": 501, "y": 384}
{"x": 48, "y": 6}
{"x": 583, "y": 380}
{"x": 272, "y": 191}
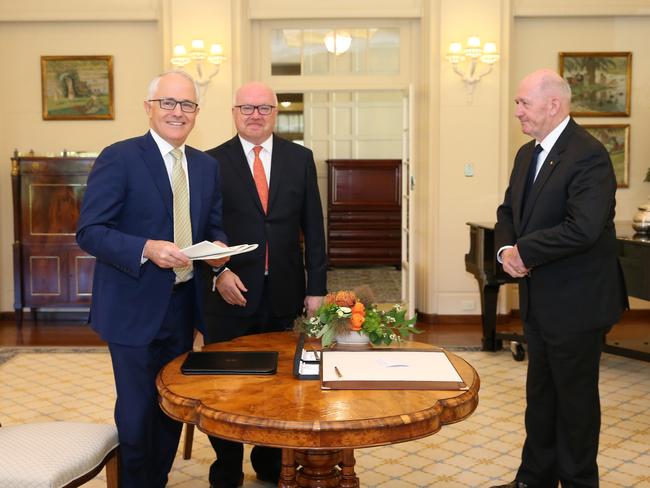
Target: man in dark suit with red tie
{"x": 147, "y": 198}
{"x": 271, "y": 198}
{"x": 555, "y": 232}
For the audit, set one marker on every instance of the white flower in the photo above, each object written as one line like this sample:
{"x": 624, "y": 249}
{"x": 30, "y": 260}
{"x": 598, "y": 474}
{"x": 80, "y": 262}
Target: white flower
{"x": 343, "y": 312}
{"x": 398, "y": 307}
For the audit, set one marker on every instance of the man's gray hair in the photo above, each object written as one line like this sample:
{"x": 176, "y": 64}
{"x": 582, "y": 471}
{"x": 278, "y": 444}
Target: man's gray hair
{"x": 153, "y": 85}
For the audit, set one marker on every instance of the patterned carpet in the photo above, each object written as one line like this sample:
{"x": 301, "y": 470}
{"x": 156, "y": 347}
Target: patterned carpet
{"x": 67, "y": 383}
{"x": 385, "y": 281}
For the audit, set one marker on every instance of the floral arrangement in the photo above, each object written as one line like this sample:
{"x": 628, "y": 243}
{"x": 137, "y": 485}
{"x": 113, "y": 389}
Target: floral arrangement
{"x": 347, "y": 310}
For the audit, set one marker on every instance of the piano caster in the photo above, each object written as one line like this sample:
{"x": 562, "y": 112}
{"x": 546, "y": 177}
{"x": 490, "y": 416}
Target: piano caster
{"x": 517, "y": 350}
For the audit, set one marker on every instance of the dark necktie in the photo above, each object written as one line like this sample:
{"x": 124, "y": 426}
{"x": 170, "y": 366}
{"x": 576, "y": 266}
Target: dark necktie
{"x": 530, "y": 178}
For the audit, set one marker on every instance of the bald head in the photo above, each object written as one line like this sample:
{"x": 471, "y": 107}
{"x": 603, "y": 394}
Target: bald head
{"x": 255, "y": 127}
{"x": 254, "y": 88}
{"x": 543, "y": 101}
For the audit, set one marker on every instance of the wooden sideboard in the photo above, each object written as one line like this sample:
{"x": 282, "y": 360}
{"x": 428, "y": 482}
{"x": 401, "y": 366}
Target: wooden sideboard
{"x": 364, "y": 212}
{"x": 49, "y": 268}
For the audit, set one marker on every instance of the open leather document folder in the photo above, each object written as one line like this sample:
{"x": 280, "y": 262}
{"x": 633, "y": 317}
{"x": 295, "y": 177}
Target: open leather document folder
{"x": 389, "y": 370}
{"x": 230, "y": 362}
{"x": 209, "y": 250}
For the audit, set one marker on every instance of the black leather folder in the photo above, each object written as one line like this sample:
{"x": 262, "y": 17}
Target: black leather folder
{"x": 231, "y": 362}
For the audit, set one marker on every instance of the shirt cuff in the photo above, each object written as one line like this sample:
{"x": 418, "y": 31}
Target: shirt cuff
{"x": 501, "y": 249}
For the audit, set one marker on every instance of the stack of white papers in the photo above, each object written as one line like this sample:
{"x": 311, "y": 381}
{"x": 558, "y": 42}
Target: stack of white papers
{"x": 209, "y": 250}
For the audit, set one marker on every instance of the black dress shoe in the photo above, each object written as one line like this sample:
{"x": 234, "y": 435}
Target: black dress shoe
{"x": 269, "y": 478}
{"x": 512, "y": 484}
{"x": 226, "y": 485}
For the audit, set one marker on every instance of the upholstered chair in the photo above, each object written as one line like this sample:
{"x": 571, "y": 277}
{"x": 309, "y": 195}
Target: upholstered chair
{"x": 57, "y": 454}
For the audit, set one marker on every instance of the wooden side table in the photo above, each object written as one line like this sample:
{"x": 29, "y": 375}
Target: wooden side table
{"x": 317, "y": 430}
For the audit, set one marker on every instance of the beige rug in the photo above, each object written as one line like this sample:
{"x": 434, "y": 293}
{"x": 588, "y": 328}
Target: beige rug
{"x": 67, "y": 384}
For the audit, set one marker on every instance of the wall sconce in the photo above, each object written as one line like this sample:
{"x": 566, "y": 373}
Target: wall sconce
{"x": 201, "y": 58}
{"x": 473, "y": 53}
{"x": 337, "y": 42}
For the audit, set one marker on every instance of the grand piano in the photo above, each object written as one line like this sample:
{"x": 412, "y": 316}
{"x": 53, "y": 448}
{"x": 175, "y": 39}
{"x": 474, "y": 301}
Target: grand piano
{"x": 634, "y": 254}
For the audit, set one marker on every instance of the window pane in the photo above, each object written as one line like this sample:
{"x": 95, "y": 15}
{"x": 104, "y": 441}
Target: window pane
{"x": 286, "y": 46}
{"x": 361, "y": 51}
{"x": 383, "y": 51}
{"x": 315, "y": 57}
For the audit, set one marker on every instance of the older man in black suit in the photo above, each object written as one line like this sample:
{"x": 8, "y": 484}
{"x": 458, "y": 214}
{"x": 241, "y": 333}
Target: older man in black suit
{"x": 555, "y": 231}
{"x": 270, "y": 197}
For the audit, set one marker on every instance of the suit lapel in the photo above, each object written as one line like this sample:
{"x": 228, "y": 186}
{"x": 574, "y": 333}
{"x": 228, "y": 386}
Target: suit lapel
{"x": 278, "y": 160}
{"x": 195, "y": 177}
{"x": 551, "y": 162}
{"x": 239, "y": 162}
{"x": 519, "y": 186}
{"x": 156, "y": 166}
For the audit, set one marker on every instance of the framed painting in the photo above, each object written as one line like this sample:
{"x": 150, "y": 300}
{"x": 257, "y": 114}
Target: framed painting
{"x": 77, "y": 87}
{"x": 616, "y": 139}
{"x": 600, "y": 83}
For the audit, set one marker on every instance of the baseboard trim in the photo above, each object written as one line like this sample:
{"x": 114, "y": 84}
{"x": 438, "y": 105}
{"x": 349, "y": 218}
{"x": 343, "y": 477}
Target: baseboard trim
{"x": 50, "y": 316}
{"x": 431, "y": 319}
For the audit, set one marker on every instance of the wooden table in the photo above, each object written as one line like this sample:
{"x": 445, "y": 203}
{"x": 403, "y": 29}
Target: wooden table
{"x": 316, "y": 429}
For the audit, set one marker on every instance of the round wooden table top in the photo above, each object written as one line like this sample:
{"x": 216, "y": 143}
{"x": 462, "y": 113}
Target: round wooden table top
{"x": 280, "y": 410}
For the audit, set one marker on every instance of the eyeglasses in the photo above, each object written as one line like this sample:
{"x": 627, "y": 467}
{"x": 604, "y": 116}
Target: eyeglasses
{"x": 261, "y": 109}
{"x": 170, "y": 104}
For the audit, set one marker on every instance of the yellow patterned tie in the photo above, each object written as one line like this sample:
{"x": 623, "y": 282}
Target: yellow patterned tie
{"x": 182, "y": 222}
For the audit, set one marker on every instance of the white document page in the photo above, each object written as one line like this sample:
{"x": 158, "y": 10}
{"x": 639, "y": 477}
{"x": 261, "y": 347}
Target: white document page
{"x": 388, "y": 366}
{"x": 209, "y": 250}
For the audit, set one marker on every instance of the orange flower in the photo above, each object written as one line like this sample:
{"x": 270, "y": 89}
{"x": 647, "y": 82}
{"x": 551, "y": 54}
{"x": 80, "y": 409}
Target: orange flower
{"x": 359, "y": 308}
{"x": 345, "y": 298}
{"x": 356, "y": 321}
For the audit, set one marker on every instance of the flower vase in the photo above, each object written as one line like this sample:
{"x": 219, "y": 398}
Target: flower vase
{"x": 641, "y": 219}
{"x": 352, "y": 338}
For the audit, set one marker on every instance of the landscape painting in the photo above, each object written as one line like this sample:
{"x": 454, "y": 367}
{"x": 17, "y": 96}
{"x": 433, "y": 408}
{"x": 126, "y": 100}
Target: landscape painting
{"x": 616, "y": 139}
{"x": 77, "y": 87}
{"x": 600, "y": 83}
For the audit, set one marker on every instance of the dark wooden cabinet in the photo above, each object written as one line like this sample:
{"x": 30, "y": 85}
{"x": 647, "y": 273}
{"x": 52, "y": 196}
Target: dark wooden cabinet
{"x": 364, "y": 212}
{"x": 49, "y": 268}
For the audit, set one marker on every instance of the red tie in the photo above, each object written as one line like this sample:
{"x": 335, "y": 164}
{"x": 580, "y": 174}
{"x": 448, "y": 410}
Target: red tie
{"x": 262, "y": 190}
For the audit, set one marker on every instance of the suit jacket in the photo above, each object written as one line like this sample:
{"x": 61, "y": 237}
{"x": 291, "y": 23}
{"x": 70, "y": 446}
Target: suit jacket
{"x": 294, "y": 206}
{"x": 566, "y": 234}
{"x": 128, "y": 201}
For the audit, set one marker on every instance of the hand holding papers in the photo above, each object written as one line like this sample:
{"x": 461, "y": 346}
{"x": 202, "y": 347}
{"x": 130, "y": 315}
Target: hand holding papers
{"x": 209, "y": 250}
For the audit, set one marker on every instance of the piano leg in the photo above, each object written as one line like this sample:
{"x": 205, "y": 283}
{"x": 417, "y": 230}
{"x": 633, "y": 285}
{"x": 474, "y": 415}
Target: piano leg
{"x": 489, "y": 295}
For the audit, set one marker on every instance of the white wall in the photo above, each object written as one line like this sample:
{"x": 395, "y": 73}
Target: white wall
{"x": 140, "y": 35}
{"x": 135, "y": 48}
{"x": 469, "y": 133}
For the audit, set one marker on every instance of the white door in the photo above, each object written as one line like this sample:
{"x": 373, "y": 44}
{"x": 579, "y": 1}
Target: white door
{"x": 408, "y": 209}
{"x": 366, "y": 124}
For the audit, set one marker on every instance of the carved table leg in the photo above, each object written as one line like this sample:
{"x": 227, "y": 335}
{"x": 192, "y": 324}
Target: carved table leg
{"x": 318, "y": 468}
{"x": 348, "y": 476}
{"x": 288, "y": 471}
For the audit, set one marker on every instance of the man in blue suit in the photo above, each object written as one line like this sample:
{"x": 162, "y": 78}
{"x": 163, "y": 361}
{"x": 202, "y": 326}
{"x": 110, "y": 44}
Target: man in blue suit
{"x": 147, "y": 198}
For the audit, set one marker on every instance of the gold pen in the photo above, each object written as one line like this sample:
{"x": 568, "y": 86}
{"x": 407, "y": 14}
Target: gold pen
{"x": 338, "y": 372}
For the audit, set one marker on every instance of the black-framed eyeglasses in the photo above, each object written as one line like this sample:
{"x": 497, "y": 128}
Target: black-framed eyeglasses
{"x": 170, "y": 104}
{"x": 261, "y": 109}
